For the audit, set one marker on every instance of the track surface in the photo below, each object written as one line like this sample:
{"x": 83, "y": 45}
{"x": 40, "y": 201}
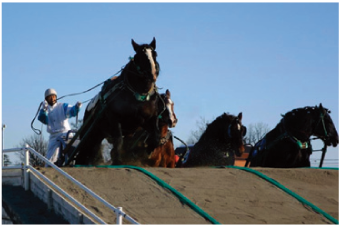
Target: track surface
{"x": 230, "y": 196}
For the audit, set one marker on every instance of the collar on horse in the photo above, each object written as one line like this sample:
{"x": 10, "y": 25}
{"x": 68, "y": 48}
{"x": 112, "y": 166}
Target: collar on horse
{"x": 120, "y": 85}
{"x": 285, "y": 134}
{"x": 141, "y": 96}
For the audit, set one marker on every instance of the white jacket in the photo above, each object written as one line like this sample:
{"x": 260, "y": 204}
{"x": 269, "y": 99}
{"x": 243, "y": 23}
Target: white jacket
{"x": 56, "y": 117}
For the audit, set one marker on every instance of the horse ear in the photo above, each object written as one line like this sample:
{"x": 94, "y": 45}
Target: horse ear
{"x": 168, "y": 94}
{"x": 322, "y": 108}
{"x": 153, "y": 43}
{"x": 240, "y": 116}
{"x": 135, "y": 45}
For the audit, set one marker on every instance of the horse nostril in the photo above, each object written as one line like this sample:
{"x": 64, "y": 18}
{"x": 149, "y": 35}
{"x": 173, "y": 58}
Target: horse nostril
{"x": 171, "y": 124}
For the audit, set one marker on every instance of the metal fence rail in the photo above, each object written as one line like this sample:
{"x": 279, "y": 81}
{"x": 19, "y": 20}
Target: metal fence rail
{"x": 30, "y": 169}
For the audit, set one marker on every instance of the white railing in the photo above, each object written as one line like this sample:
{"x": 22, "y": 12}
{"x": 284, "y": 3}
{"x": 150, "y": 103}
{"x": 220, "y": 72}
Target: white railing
{"x": 28, "y": 169}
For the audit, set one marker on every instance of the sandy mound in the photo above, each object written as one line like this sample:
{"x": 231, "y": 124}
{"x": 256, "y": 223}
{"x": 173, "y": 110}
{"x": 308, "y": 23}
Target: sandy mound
{"x": 230, "y": 196}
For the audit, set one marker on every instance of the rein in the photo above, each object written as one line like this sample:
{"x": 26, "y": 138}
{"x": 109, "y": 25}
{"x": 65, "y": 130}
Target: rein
{"x": 323, "y": 125}
{"x": 38, "y": 132}
{"x": 75, "y": 94}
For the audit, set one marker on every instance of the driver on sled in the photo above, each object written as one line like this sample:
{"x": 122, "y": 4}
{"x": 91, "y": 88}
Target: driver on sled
{"x": 55, "y": 116}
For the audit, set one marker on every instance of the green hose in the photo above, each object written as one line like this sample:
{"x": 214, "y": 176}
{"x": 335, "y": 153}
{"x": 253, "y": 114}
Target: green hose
{"x": 180, "y": 196}
{"x": 299, "y": 198}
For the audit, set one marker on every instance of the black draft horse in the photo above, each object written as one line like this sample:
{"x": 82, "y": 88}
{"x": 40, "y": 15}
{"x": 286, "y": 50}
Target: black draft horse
{"x": 288, "y": 144}
{"x": 218, "y": 145}
{"x": 125, "y": 103}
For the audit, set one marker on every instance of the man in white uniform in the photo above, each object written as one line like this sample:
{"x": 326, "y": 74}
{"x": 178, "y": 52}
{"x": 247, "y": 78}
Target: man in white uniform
{"x": 55, "y": 116}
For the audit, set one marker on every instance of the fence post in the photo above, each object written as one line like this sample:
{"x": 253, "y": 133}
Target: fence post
{"x": 49, "y": 200}
{"x": 118, "y": 215}
{"x": 26, "y": 170}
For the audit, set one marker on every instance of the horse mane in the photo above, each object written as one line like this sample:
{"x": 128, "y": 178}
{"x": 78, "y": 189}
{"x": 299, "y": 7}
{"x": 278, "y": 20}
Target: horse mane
{"x": 301, "y": 120}
{"x": 129, "y": 68}
{"x": 302, "y": 117}
{"x": 218, "y": 128}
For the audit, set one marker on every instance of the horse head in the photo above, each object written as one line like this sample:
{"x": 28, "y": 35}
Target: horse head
{"x": 236, "y": 131}
{"x": 167, "y": 105}
{"x": 145, "y": 60}
{"x": 325, "y": 128}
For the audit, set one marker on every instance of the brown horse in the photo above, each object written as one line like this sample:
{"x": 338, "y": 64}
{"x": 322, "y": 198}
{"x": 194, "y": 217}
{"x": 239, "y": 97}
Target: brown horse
{"x": 135, "y": 145}
{"x": 164, "y": 155}
{"x": 218, "y": 145}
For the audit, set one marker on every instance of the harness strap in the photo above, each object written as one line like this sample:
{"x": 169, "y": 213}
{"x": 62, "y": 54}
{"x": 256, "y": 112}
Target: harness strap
{"x": 164, "y": 139}
{"x": 323, "y": 124}
{"x": 141, "y": 96}
{"x": 284, "y": 134}
{"x": 119, "y": 85}
{"x": 300, "y": 144}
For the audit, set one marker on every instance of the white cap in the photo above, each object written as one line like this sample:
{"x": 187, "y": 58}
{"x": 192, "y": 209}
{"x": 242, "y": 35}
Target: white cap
{"x": 49, "y": 92}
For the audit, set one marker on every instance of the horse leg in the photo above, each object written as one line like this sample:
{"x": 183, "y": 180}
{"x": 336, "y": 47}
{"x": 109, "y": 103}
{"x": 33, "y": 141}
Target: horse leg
{"x": 155, "y": 134}
{"x": 90, "y": 150}
{"x": 302, "y": 159}
{"x": 117, "y": 141}
{"x": 171, "y": 151}
{"x": 154, "y": 158}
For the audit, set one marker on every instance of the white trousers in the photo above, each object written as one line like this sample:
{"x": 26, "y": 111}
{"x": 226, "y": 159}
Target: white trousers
{"x": 53, "y": 147}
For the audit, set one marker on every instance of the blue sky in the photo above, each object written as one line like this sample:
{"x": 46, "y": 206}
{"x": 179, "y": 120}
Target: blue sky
{"x": 262, "y": 59}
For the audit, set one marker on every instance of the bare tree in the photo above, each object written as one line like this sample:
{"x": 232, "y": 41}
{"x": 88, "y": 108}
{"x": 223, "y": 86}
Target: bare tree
{"x": 256, "y": 132}
{"x": 6, "y": 160}
{"x": 196, "y": 134}
{"x": 36, "y": 142}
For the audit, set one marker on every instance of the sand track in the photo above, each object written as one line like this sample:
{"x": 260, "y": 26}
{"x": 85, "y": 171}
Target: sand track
{"x": 231, "y": 196}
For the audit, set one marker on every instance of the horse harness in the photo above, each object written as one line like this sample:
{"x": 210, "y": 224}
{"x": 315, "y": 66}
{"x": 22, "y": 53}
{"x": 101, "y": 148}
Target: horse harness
{"x": 164, "y": 139}
{"x": 300, "y": 144}
{"x": 103, "y": 103}
{"x": 285, "y": 134}
{"x": 125, "y": 84}
{"x": 139, "y": 97}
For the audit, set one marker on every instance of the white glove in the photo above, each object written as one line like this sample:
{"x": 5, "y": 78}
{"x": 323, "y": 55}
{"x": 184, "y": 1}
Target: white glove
{"x": 79, "y": 104}
{"x": 44, "y": 104}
